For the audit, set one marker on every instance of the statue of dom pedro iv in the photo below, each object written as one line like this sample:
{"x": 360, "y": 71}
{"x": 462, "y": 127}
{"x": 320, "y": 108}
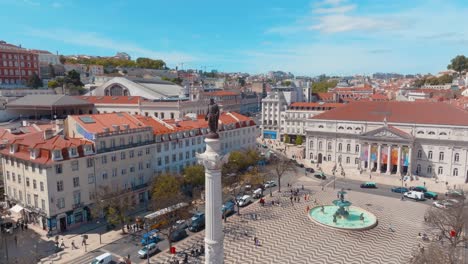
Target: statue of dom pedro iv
{"x": 212, "y": 116}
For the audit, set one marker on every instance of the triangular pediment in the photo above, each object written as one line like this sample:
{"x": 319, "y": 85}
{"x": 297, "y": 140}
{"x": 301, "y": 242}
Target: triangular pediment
{"x": 388, "y": 132}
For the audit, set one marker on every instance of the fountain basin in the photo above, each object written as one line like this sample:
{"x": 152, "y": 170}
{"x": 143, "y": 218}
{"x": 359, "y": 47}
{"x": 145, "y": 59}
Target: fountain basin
{"x": 352, "y": 222}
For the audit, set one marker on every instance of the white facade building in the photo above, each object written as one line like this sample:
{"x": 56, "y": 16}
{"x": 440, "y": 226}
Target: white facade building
{"x": 400, "y": 138}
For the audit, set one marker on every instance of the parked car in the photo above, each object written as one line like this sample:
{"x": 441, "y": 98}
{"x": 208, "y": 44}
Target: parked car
{"x": 320, "y": 175}
{"x": 197, "y": 216}
{"x": 455, "y": 194}
{"x": 418, "y": 196}
{"x": 105, "y": 258}
{"x": 181, "y": 224}
{"x": 228, "y": 208}
{"x": 431, "y": 195}
{"x": 442, "y": 204}
{"x": 257, "y": 193}
{"x": 150, "y": 237}
{"x": 311, "y": 170}
{"x": 418, "y": 188}
{"x": 178, "y": 235}
{"x": 245, "y": 200}
{"x": 197, "y": 225}
{"x": 369, "y": 185}
{"x": 270, "y": 184}
{"x": 7, "y": 227}
{"x": 148, "y": 250}
{"x": 399, "y": 189}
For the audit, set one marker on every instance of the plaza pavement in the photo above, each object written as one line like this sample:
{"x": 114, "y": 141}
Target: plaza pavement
{"x": 288, "y": 235}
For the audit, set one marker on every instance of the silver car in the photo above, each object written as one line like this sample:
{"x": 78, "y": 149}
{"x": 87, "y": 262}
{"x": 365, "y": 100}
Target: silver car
{"x": 148, "y": 250}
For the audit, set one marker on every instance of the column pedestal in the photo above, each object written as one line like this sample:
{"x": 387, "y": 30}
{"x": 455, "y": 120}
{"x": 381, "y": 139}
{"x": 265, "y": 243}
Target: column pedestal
{"x": 214, "y": 236}
{"x": 389, "y": 159}
{"x": 369, "y": 147}
{"x": 379, "y": 153}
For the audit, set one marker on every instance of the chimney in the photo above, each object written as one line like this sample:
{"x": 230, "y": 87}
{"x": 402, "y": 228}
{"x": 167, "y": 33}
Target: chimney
{"x": 106, "y": 129}
{"x": 48, "y": 133}
{"x": 126, "y": 126}
{"x": 116, "y": 127}
{"x": 58, "y": 125}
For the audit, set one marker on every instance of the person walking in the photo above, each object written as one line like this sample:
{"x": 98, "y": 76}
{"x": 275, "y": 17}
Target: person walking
{"x": 83, "y": 242}
{"x": 62, "y": 243}
{"x": 291, "y": 198}
{"x": 73, "y": 245}
{"x": 16, "y": 241}
{"x": 256, "y": 241}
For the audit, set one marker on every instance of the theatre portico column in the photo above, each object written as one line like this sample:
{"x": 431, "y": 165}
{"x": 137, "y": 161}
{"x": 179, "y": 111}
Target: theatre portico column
{"x": 369, "y": 145}
{"x": 410, "y": 167}
{"x": 389, "y": 159}
{"x": 379, "y": 150}
{"x": 399, "y": 161}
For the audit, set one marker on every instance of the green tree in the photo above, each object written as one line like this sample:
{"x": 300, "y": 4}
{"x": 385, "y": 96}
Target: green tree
{"x": 195, "y": 175}
{"x": 34, "y": 81}
{"x": 286, "y": 83}
{"x": 299, "y": 140}
{"x": 323, "y": 86}
{"x": 73, "y": 77}
{"x": 53, "y": 84}
{"x": 150, "y": 63}
{"x": 459, "y": 64}
{"x": 167, "y": 192}
{"x": 280, "y": 166}
{"x": 114, "y": 205}
{"x": 286, "y": 138}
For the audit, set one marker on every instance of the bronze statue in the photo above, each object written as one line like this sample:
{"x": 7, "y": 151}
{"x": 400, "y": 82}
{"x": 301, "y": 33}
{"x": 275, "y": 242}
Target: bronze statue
{"x": 212, "y": 116}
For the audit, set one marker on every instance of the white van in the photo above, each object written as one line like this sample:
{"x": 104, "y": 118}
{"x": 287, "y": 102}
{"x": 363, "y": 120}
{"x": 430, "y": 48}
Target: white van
{"x": 105, "y": 258}
{"x": 418, "y": 196}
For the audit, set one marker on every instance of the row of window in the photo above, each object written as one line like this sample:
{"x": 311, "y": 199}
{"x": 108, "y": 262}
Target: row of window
{"x": 15, "y": 64}
{"x": 16, "y": 56}
{"x": 431, "y": 133}
{"x": 440, "y": 170}
{"x": 330, "y": 146}
{"x": 18, "y": 177}
{"x": 181, "y": 157}
{"x": 456, "y": 157}
{"x": 122, "y": 142}
{"x": 18, "y": 194}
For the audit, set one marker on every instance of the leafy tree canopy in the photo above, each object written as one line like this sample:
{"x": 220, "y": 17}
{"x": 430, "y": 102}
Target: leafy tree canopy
{"x": 112, "y": 62}
{"x": 323, "y": 85}
{"x": 194, "y": 175}
{"x": 34, "y": 81}
{"x": 459, "y": 63}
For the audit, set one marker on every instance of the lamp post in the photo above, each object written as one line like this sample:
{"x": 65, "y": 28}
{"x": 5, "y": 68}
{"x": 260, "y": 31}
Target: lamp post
{"x": 100, "y": 241}
{"x": 147, "y": 249}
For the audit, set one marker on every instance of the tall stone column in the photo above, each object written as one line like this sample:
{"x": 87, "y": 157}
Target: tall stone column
{"x": 389, "y": 159}
{"x": 379, "y": 153}
{"x": 214, "y": 236}
{"x": 369, "y": 146}
{"x": 410, "y": 165}
{"x": 399, "y": 161}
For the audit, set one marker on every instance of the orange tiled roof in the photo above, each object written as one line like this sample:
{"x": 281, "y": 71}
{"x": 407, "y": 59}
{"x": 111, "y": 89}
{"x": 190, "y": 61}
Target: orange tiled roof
{"x": 102, "y": 121}
{"x": 310, "y": 104}
{"x": 222, "y": 93}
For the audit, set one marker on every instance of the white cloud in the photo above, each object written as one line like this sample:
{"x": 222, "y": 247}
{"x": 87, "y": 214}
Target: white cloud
{"x": 333, "y": 10}
{"x": 343, "y": 23}
{"x": 91, "y": 39}
{"x": 332, "y": 2}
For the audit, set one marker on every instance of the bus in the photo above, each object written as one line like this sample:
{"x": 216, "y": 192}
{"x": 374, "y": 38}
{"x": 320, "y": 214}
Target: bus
{"x": 156, "y": 219}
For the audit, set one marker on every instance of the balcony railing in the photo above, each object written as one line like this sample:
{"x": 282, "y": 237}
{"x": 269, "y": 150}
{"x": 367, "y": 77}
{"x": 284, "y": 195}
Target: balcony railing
{"x": 140, "y": 186}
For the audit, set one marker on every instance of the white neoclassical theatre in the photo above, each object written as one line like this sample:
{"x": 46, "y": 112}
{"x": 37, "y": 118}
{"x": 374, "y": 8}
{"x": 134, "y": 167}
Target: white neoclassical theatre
{"x": 428, "y": 139}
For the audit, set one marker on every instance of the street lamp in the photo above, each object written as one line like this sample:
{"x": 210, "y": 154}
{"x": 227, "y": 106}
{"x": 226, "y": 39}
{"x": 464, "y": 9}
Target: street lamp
{"x": 147, "y": 249}
{"x": 100, "y": 241}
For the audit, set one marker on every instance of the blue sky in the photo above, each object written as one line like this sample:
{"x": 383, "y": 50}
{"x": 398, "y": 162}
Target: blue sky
{"x": 339, "y": 37}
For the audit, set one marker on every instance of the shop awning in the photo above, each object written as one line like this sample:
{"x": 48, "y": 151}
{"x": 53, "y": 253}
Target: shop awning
{"x": 16, "y": 209}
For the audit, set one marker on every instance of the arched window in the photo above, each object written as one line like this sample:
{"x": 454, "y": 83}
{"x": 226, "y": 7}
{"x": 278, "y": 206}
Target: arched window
{"x": 357, "y": 148}
{"x": 358, "y": 128}
{"x": 429, "y": 155}
{"x": 431, "y": 133}
{"x": 321, "y": 126}
{"x": 348, "y": 160}
{"x": 457, "y": 157}
{"x": 348, "y": 148}
{"x": 311, "y": 144}
{"x": 455, "y": 172}
{"x": 441, "y": 156}
{"x": 440, "y": 170}
{"x": 419, "y": 154}
{"x": 329, "y": 147}
{"x": 340, "y": 146}
{"x": 320, "y": 145}
{"x": 349, "y": 128}
{"x": 420, "y": 132}
{"x": 340, "y": 128}
{"x": 429, "y": 170}
{"x": 442, "y": 134}
{"x": 329, "y": 157}
{"x": 418, "y": 169}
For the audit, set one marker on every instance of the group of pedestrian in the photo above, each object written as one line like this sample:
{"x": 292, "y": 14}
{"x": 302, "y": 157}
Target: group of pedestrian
{"x": 134, "y": 227}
